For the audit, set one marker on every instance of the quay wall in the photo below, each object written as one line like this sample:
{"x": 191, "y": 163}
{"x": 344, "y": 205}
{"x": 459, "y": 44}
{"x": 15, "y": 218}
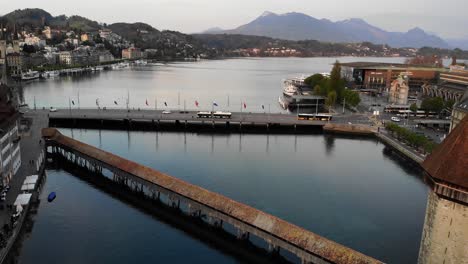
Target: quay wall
{"x": 218, "y": 126}
{"x": 398, "y": 146}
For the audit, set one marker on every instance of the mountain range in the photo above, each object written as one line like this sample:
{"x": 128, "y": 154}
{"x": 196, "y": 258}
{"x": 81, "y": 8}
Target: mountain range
{"x": 298, "y": 26}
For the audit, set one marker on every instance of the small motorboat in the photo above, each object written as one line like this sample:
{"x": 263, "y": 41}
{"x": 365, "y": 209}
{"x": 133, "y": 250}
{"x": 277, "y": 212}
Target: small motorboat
{"x": 51, "y": 197}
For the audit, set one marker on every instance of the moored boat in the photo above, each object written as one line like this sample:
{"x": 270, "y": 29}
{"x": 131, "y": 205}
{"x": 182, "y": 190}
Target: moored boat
{"x": 30, "y": 75}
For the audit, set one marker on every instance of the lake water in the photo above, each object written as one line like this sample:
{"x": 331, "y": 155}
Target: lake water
{"x": 348, "y": 190}
{"x": 254, "y": 81}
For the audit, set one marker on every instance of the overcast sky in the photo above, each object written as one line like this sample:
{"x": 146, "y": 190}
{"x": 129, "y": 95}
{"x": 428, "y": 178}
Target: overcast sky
{"x": 448, "y": 18}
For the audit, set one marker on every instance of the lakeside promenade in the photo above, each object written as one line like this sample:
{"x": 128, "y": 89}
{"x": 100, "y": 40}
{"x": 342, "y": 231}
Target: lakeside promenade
{"x": 30, "y": 149}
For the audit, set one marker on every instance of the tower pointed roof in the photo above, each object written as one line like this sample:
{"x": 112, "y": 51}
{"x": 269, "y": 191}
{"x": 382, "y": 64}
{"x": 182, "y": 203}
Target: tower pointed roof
{"x": 449, "y": 161}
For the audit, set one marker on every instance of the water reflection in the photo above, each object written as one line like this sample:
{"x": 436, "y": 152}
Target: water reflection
{"x": 329, "y": 144}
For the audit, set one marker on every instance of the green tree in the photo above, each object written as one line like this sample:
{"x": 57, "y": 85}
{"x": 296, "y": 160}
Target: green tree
{"x": 434, "y": 104}
{"x": 317, "y": 90}
{"x": 352, "y": 97}
{"x": 313, "y": 80}
{"x": 449, "y": 104}
{"x": 336, "y": 83}
{"x": 414, "y": 108}
{"x": 331, "y": 98}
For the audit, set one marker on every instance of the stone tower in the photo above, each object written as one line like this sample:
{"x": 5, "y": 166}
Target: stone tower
{"x": 445, "y": 233}
{"x": 399, "y": 90}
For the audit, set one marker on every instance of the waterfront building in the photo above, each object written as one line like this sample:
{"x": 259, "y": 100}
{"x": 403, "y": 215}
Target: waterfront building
{"x": 460, "y": 111}
{"x": 82, "y": 58}
{"x": 105, "y": 56}
{"x": 16, "y": 64}
{"x": 450, "y": 85}
{"x": 132, "y": 53}
{"x": 10, "y": 154}
{"x": 445, "y": 233}
{"x": 65, "y": 58}
{"x": 399, "y": 91}
{"x": 379, "y": 76}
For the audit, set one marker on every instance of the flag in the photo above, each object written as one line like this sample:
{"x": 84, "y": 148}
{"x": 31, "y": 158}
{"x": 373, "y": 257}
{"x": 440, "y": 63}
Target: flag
{"x": 196, "y": 103}
{"x": 97, "y": 102}
{"x": 215, "y": 104}
{"x": 263, "y": 107}
{"x": 165, "y": 104}
{"x": 115, "y": 102}
{"x": 245, "y": 105}
{"x": 73, "y": 102}
{"x": 146, "y": 102}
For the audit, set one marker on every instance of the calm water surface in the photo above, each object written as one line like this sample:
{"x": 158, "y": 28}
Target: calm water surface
{"x": 254, "y": 81}
{"x": 347, "y": 190}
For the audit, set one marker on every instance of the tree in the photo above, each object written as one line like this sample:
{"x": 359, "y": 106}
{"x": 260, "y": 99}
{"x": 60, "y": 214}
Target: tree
{"x": 414, "y": 108}
{"x": 449, "y": 104}
{"x": 336, "y": 83}
{"x": 29, "y": 49}
{"x": 313, "y": 80}
{"x": 317, "y": 90}
{"x": 352, "y": 97}
{"x": 434, "y": 104}
{"x": 331, "y": 99}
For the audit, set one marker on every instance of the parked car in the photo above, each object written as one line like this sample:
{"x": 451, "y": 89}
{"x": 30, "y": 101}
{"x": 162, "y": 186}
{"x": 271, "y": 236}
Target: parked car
{"x": 52, "y": 109}
{"x": 395, "y": 119}
{"x": 166, "y": 112}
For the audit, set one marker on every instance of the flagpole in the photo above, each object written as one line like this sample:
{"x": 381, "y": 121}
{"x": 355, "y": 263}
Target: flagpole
{"x": 156, "y": 104}
{"x": 184, "y": 107}
{"x": 241, "y": 111}
{"x": 269, "y": 113}
{"x": 69, "y": 105}
{"x": 128, "y": 99}
{"x": 178, "y": 100}
{"x": 78, "y": 98}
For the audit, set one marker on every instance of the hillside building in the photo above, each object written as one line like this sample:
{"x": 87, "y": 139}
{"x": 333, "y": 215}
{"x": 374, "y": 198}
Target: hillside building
{"x": 132, "y": 53}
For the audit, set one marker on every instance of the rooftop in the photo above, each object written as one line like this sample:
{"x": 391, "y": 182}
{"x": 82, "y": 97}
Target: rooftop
{"x": 449, "y": 161}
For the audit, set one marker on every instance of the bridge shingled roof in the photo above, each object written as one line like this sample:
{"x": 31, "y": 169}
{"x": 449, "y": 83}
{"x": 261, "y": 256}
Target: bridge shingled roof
{"x": 449, "y": 161}
{"x": 292, "y": 234}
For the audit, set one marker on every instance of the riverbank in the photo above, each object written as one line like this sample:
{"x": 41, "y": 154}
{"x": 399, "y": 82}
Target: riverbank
{"x": 31, "y": 164}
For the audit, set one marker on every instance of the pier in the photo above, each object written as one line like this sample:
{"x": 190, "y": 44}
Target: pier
{"x": 215, "y": 209}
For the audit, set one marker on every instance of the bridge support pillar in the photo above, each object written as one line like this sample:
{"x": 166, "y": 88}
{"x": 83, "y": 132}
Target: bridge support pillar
{"x": 273, "y": 249}
{"x": 242, "y": 235}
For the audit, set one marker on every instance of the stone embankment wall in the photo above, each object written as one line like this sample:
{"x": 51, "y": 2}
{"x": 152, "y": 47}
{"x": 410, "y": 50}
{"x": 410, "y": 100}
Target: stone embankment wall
{"x": 349, "y": 129}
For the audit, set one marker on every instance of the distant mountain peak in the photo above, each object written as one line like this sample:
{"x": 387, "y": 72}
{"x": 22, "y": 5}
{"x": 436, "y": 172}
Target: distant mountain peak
{"x": 268, "y": 13}
{"x": 299, "y": 26}
{"x": 416, "y": 30}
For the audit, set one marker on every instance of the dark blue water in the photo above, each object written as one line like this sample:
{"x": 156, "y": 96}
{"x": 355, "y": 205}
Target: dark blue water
{"x": 348, "y": 190}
